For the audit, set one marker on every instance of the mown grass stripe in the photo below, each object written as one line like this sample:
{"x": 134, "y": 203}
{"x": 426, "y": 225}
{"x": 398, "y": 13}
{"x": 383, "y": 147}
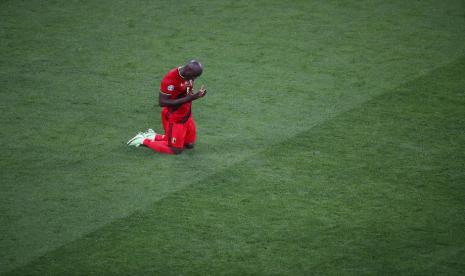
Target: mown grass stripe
{"x": 314, "y": 173}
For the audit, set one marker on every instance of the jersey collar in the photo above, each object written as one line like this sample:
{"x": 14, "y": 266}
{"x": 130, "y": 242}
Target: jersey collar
{"x": 179, "y": 72}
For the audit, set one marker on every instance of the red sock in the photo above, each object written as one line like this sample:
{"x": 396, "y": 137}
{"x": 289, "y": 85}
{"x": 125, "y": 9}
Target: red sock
{"x": 160, "y": 146}
{"x": 160, "y": 137}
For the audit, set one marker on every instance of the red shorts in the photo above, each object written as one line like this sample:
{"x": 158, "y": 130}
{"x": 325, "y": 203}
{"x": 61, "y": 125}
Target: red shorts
{"x": 164, "y": 119}
{"x": 179, "y": 134}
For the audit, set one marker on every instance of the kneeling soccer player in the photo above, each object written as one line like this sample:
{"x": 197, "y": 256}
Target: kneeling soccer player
{"x": 176, "y": 96}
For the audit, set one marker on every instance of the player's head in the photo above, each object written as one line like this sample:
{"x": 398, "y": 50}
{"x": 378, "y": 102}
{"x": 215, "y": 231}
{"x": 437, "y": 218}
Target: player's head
{"x": 192, "y": 70}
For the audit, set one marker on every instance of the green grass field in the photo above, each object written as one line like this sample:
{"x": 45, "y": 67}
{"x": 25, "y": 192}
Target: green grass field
{"x": 331, "y": 140}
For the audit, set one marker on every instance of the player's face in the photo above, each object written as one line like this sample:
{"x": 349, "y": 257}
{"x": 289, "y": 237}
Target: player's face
{"x": 191, "y": 72}
{"x": 192, "y": 75}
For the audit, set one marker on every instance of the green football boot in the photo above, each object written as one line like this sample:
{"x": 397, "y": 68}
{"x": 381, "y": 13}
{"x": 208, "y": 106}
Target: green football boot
{"x": 136, "y": 140}
{"x": 150, "y": 134}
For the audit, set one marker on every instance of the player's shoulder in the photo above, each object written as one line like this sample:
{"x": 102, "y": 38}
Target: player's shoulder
{"x": 172, "y": 74}
{"x": 170, "y": 81}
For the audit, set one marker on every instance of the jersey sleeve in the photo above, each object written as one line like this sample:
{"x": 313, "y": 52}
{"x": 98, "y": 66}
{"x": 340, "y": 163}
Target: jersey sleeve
{"x": 167, "y": 86}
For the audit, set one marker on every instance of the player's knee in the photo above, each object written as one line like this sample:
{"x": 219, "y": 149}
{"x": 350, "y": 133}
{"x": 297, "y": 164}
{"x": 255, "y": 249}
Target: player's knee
{"x": 189, "y": 146}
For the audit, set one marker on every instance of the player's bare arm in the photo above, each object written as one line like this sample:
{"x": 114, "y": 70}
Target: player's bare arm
{"x": 165, "y": 101}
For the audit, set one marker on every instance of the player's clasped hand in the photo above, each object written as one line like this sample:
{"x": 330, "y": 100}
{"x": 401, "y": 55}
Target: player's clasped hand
{"x": 202, "y": 91}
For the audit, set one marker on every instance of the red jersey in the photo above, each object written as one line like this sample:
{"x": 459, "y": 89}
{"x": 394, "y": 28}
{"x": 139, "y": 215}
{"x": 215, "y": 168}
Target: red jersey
{"x": 177, "y": 87}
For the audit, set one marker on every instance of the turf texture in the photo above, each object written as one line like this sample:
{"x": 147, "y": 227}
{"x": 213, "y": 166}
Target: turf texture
{"x": 331, "y": 140}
